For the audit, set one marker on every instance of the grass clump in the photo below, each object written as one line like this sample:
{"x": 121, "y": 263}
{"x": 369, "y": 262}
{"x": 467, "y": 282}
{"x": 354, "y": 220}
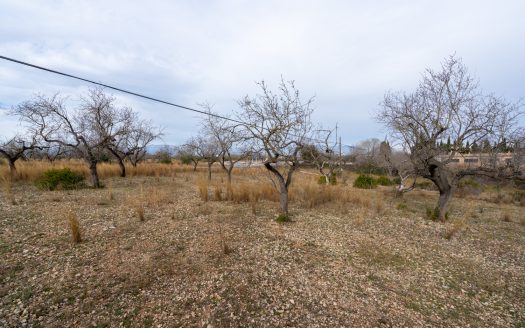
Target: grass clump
{"x": 384, "y": 181}
{"x": 364, "y": 181}
{"x": 74, "y": 225}
{"x": 331, "y": 180}
{"x": 282, "y": 218}
{"x": 60, "y": 179}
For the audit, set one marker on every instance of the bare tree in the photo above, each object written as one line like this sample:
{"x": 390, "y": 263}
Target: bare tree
{"x": 448, "y": 104}
{"x": 323, "y": 154}
{"x": 279, "y": 126}
{"x": 187, "y": 153}
{"x": 228, "y": 138}
{"x": 86, "y": 130}
{"x": 14, "y": 148}
{"x": 205, "y": 147}
{"x": 367, "y": 155}
{"x": 132, "y": 142}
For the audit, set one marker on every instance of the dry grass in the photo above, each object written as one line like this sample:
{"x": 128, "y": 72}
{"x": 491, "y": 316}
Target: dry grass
{"x": 8, "y": 190}
{"x": 140, "y": 212}
{"x": 74, "y": 226}
{"x": 342, "y": 262}
{"x": 454, "y": 229}
{"x": 202, "y": 185}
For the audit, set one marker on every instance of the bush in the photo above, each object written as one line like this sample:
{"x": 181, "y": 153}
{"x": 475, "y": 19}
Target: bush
{"x": 333, "y": 179}
{"x": 384, "y": 181}
{"x": 364, "y": 181}
{"x": 282, "y": 218}
{"x": 60, "y": 179}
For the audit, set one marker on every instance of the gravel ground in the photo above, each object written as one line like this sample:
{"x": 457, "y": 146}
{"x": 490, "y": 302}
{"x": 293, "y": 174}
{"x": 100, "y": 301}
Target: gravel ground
{"x": 216, "y": 264}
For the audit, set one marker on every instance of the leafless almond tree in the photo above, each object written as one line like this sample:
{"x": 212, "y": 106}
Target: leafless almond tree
{"x": 14, "y": 148}
{"x": 322, "y": 152}
{"x": 136, "y": 135}
{"x": 448, "y": 104}
{"x": 228, "y": 136}
{"x": 279, "y": 125}
{"x": 86, "y": 129}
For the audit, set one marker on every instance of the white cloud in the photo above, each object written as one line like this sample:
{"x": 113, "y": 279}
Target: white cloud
{"x": 346, "y": 53}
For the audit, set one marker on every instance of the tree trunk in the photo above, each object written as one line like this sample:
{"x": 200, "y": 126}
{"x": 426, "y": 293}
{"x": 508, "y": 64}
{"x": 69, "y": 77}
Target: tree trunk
{"x": 94, "y": 174}
{"x": 283, "y": 198}
{"x": 442, "y": 182}
{"x": 209, "y": 171}
{"x": 122, "y": 167}
{"x": 12, "y": 167}
{"x": 195, "y": 166}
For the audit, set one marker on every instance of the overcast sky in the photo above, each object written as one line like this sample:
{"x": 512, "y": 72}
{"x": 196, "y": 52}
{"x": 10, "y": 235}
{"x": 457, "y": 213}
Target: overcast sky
{"x": 345, "y": 53}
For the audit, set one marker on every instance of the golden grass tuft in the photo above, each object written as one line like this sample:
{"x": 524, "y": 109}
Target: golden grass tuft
{"x": 202, "y": 185}
{"x": 7, "y": 183}
{"x": 456, "y": 227}
{"x": 506, "y": 217}
{"x": 140, "y": 212}
{"x": 74, "y": 226}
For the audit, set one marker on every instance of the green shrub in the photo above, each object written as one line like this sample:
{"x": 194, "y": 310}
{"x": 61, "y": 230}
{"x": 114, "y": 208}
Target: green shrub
{"x": 333, "y": 179}
{"x": 384, "y": 181}
{"x": 283, "y": 218}
{"x": 60, "y": 179}
{"x": 364, "y": 181}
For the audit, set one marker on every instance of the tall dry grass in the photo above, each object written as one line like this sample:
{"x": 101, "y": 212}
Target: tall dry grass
{"x": 32, "y": 170}
{"x": 74, "y": 226}
{"x": 252, "y": 185}
{"x": 7, "y": 185}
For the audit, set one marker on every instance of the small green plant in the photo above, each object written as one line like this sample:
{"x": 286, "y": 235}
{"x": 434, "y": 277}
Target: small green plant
{"x": 364, "y": 181}
{"x": 332, "y": 179}
{"x": 402, "y": 206}
{"x": 433, "y": 214}
{"x": 283, "y": 217}
{"x": 60, "y": 179}
{"x": 384, "y": 181}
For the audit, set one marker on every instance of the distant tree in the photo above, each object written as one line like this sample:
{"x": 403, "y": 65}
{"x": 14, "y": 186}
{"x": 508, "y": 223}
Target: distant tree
{"x": 132, "y": 142}
{"x": 204, "y": 147}
{"x": 85, "y": 130}
{"x": 448, "y": 103}
{"x": 278, "y": 125}
{"x": 188, "y": 153}
{"x": 323, "y": 154}
{"x": 228, "y": 136}
{"x": 14, "y": 148}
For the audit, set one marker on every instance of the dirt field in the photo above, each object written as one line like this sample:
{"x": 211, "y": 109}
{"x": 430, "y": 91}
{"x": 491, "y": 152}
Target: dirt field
{"x": 373, "y": 261}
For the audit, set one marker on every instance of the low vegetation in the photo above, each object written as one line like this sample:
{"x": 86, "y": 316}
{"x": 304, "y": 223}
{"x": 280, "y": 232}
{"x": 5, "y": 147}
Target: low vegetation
{"x": 171, "y": 246}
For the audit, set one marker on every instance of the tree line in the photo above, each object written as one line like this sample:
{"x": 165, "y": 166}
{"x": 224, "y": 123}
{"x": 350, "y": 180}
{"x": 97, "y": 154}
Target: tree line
{"x": 276, "y": 127}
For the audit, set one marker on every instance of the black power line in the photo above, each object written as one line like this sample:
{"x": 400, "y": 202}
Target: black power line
{"x": 129, "y": 92}
{"x": 118, "y": 89}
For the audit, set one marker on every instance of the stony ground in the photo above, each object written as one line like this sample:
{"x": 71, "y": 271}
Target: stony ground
{"x": 216, "y": 264}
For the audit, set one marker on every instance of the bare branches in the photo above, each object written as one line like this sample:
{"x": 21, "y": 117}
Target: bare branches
{"x": 448, "y": 104}
{"x": 279, "y": 125}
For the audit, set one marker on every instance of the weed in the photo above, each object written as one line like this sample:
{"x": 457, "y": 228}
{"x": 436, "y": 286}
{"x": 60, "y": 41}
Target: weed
{"x": 139, "y": 210}
{"x": 402, "y": 206}
{"x": 111, "y": 196}
{"x": 202, "y": 185}
{"x": 452, "y": 231}
{"x": 218, "y": 192}
{"x": 8, "y": 189}
{"x": 506, "y": 217}
{"x": 60, "y": 179}
{"x": 282, "y": 218}
{"x": 364, "y": 181}
{"x": 74, "y": 225}
{"x": 384, "y": 181}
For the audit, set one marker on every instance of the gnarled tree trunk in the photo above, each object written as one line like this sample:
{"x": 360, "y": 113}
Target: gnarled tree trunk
{"x": 445, "y": 187}
{"x": 94, "y": 174}
{"x": 12, "y": 167}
